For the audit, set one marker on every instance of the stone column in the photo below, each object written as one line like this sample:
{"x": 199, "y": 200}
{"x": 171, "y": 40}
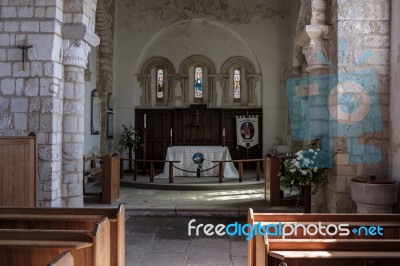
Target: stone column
{"x": 251, "y": 88}
{"x": 185, "y": 88}
{"x": 77, "y": 43}
{"x": 395, "y": 95}
{"x": 144, "y": 81}
{"x": 225, "y": 89}
{"x": 75, "y": 60}
{"x": 212, "y": 96}
{"x": 314, "y": 40}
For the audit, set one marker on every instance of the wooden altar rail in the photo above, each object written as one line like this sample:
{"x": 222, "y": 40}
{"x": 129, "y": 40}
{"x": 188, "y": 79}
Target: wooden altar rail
{"x": 240, "y": 162}
{"x": 152, "y": 162}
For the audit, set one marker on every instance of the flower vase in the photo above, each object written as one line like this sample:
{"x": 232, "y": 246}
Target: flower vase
{"x": 130, "y": 156}
{"x": 198, "y": 172}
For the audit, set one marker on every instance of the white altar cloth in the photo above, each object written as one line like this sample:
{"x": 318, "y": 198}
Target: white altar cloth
{"x": 184, "y": 154}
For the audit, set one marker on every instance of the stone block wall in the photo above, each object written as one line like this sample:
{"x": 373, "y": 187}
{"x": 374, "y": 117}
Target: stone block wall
{"x": 395, "y": 95}
{"x": 364, "y": 28}
{"x": 31, "y": 94}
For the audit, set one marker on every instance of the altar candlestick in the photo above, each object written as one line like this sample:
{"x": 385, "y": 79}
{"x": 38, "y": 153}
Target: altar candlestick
{"x": 171, "y": 136}
{"x": 144, "y": 120}
{"x": 223, "y": 137}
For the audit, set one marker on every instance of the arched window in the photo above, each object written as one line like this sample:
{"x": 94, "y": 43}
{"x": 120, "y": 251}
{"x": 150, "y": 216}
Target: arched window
{"x": 236, "y": 84}
{"x": 241, "y": 82}
{"x": 198, "y": 82}
{"x": 160, "y": 83}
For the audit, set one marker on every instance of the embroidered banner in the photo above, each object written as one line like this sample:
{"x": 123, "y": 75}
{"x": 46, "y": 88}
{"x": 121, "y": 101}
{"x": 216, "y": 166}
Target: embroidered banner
{"x": 247, "y": 131}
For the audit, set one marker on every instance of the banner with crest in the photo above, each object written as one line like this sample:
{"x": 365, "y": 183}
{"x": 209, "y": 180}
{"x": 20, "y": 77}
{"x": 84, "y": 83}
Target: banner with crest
{"x": 247, "y": 131}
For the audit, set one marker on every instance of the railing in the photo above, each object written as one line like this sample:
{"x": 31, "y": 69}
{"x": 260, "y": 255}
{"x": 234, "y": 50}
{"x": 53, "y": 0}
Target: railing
{"x": 240, "y": 162}
{"x": 171, "y": 168}
{"x": 152, "y": 162}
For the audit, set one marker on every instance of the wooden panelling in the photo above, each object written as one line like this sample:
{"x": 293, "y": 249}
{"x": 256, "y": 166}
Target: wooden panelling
{"x": 18, "y": 171}
{"x": 196, "y": 125}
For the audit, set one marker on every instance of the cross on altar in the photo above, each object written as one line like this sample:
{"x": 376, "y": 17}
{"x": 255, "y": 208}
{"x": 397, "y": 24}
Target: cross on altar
{"x": 197, "y": 114}
{"x": 24, "y": 49}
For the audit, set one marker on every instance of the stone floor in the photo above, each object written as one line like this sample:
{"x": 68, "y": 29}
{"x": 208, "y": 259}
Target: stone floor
{"x": 157, "y": 241}
{"x": 157, "y": 224}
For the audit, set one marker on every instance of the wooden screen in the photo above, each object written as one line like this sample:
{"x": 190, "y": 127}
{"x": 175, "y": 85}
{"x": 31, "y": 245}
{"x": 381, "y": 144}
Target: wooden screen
{"x": 18, "y": 171}
{"x": 196, "y": 125}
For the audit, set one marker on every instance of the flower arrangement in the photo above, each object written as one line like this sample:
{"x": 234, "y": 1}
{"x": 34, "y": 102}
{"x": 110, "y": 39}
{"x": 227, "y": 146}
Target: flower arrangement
{"x": 303, "y": 170}
{"x": 130, "y": 139}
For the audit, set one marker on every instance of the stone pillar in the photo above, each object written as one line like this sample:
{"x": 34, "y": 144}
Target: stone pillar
{"x": 314, "y": 40}
{"x": 395, "y": 95}
{"x": 77, "y": 43}
{"x": 362, "y": 41}
{"x": 75, "y": 60}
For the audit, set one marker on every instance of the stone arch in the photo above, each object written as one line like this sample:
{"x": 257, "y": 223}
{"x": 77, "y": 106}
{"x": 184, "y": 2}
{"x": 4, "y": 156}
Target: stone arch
{"x": 197, "y": 59}
{"x": 145, "y": 80}
{"x": 158, "y": 62}
{"x": 237, "y": 61}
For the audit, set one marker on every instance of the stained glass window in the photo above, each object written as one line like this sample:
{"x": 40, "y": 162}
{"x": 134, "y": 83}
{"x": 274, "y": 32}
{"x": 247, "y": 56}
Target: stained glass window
{"x": 198, "y": 82}
{"x": 236, "y": 84}
{"x": 160, "y": 83}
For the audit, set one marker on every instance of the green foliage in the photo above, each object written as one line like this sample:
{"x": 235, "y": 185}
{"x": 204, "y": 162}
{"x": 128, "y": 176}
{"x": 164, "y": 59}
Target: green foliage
{"x": 130, "y": 138}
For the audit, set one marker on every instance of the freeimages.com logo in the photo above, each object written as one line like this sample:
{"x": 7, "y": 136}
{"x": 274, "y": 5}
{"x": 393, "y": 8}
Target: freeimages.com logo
{"x": 345, "y": 104}
{"x": 282, "y": 230}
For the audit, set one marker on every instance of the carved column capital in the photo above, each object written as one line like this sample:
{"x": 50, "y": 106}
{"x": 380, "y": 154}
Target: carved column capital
{"x": 314, "y": 40}
{"x": 75, "y": 53}
{"x": 318, "y": 10}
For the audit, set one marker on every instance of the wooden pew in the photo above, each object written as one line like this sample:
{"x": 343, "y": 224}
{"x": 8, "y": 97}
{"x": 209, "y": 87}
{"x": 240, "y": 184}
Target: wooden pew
{"x": 18, "y": 163}
{"x": 90, "y": 170}
{"x": 20, "y": 247}
{"x": 64, "y": 259}
{"x": 70, "y": 219}
{"x": 111, "y": 177}
{"x": 293, "y": 251}
{"x": 259, "y": 249}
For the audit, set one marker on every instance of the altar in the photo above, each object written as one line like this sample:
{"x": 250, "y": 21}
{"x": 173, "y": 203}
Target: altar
{"x": 192, "y": 157}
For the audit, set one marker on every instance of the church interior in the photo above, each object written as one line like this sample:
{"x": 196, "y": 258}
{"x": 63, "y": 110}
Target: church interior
{"x": 106, "y": 107}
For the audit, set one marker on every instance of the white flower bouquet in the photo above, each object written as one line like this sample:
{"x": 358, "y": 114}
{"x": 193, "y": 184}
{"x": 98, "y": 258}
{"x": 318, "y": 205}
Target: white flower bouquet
{"x": 303, "y": 170}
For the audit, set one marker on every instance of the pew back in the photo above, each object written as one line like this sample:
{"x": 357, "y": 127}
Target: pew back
{"x": 258, "y": 246}
{"x": 38, "y": 247}
{"x": 71, "y": 219}
{"x": 64, "y": 259}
